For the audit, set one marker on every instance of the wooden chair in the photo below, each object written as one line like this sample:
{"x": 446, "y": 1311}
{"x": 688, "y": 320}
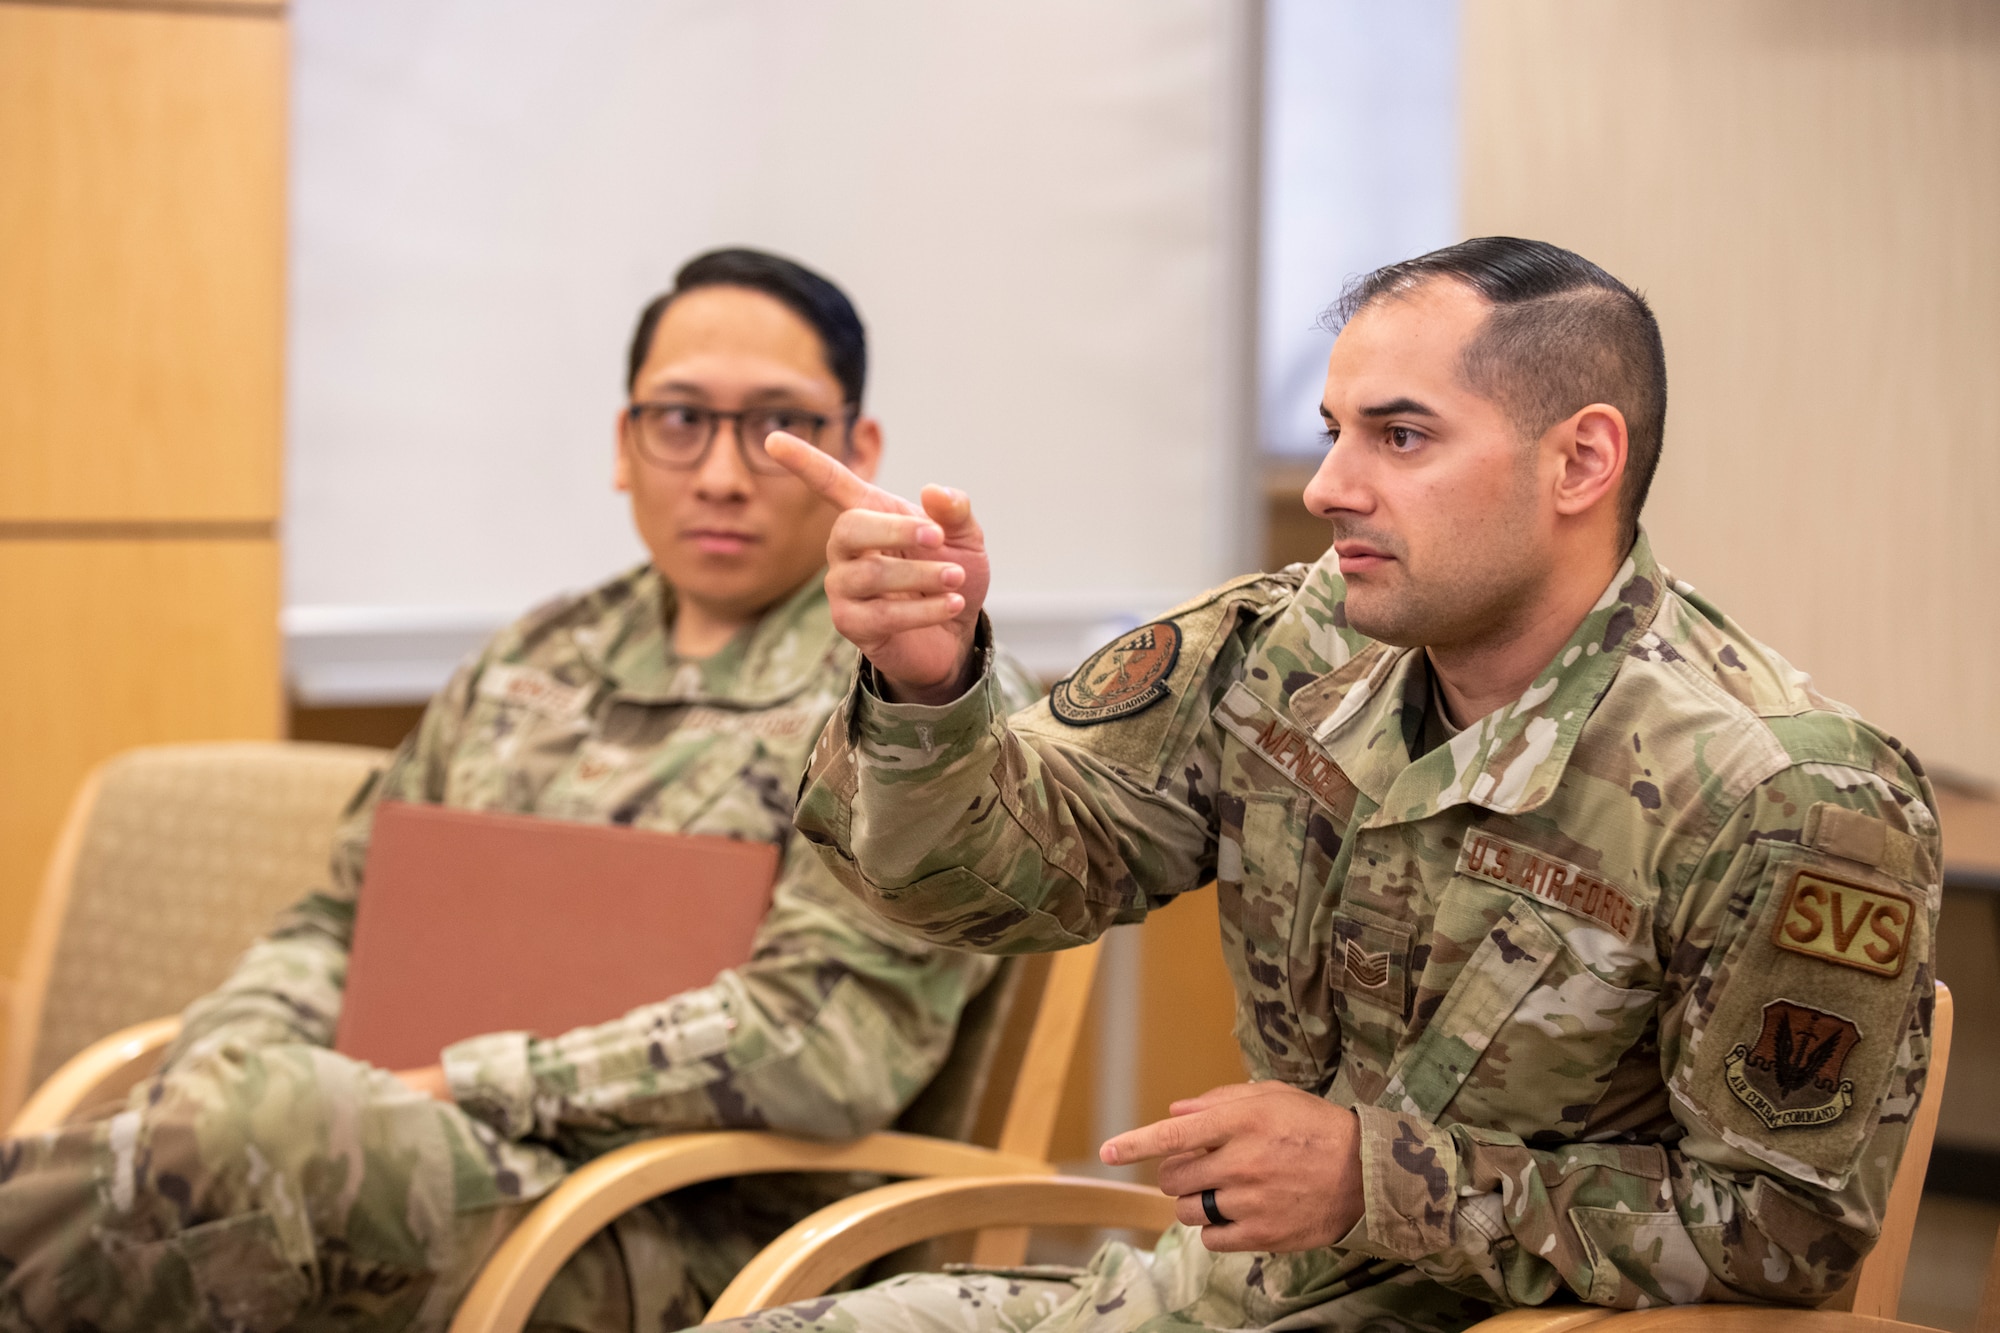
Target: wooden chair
{"x": 847, "y": 1236}
{"x": 171, "y": 861}
{"x": 1744, "y": 1318}
{"x": 989, "y": 1113}
{"x": 809, "y": 1258}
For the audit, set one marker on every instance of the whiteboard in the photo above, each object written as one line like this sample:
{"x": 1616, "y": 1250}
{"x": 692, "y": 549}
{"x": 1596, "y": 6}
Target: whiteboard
{"x": 1044, "y": 211}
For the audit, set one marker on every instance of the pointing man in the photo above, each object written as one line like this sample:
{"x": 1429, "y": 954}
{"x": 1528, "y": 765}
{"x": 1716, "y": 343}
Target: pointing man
{"x": 1582, "y": 949}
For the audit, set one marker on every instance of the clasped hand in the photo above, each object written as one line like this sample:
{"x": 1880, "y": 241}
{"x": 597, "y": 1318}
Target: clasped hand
{"x": 1285, "y": 1165}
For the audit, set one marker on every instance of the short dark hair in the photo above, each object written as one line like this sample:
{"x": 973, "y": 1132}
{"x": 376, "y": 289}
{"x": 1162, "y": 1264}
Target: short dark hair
{"x": 811, "y": 297}
{"x": 1563, "y": 334}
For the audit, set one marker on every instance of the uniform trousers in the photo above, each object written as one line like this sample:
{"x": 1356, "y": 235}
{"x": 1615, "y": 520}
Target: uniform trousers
{"x": 1176, "y": 1287}
{"x": 286, "y": 1186}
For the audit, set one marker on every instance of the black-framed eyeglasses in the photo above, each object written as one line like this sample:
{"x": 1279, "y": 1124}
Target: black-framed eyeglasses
{"x": 679, "y": 435}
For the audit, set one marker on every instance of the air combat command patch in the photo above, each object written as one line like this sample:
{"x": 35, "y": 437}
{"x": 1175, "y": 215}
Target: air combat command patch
{"x": 1120, "y": 679}
{"x": 1791, "y": 1077}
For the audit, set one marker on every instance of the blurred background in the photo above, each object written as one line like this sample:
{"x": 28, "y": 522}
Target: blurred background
{"x": 312, "y": 319}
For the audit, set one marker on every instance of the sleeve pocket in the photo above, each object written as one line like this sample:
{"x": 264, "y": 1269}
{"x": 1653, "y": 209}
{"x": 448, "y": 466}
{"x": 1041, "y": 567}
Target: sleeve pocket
{"x": 1640, "y": 1259}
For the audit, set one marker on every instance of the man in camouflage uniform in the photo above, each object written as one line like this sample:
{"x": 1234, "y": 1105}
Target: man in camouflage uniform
{"x": 263, "y": 1181}
{"x": 1582, "y": 949}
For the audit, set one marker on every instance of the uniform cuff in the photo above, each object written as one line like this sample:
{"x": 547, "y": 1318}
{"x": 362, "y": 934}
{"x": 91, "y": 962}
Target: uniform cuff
{"x": 1409, "y": 1170}
{"x": 491, "y": 1080}
{"x": 934, "y": 728}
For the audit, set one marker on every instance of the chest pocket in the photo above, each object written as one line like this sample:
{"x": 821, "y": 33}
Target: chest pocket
{"x": 1527, "y": 1037}
{"x": 1506, "y": 960}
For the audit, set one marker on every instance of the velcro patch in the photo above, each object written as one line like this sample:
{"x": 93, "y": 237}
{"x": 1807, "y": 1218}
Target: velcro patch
{"x": 1790, "y": 1078}
{"x": 1835, "y": 921}
{"x": 1370, "y": 971}
{"x": 1368, "y": 961}
{"x": 778, "y": 724}
{"x": 1556, "y": 882}
{"x": 533, "y": 689}
{"x": 1126, "y": 676}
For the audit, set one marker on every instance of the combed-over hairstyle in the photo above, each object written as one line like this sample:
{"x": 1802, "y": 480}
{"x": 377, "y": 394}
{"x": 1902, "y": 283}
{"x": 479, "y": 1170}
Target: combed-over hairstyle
{"x": 814, "y": 299}
{"x": 1563, "y": 334}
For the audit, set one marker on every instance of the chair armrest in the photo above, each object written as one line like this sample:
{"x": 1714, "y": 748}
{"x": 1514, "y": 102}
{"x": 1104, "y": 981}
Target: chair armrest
{"x": 844, "y": 1236}
{"x": 1543, "y": 1319}
{"x": 1733, "y": 1318}
{"x": 504, "y": 1295}
{"x": 101, "y": 1071}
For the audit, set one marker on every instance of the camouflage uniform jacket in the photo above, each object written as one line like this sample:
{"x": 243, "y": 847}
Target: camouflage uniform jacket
{"x": 1629, "y": 982}
{"x": 582, "y": 711}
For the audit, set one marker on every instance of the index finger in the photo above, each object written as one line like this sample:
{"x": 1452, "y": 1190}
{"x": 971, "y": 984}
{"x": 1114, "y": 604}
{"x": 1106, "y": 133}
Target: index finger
{"x": 829, "y": 478}
{"x": 1163, "y": 1138}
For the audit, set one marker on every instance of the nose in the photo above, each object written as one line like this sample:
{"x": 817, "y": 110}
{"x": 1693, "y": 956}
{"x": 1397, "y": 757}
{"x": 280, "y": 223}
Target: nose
{"x": 722, "y": 474}
{"x": 1339, "y": 485}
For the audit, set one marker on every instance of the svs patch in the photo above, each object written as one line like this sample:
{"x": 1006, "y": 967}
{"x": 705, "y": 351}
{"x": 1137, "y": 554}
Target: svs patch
{"x": 1120, "y": 679}
{"x": 1835, "y": 921}
{"x": 1791, "y": 1077}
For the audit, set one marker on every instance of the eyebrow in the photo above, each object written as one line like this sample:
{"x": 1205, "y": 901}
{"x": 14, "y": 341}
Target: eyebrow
{"x": 1398, "y": 407}
{"x": 774, "y": 395}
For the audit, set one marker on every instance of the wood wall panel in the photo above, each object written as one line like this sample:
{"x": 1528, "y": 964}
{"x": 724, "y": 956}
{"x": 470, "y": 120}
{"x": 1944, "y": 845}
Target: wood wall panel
{"x": 1809, "y": 191}
{"x": 141, "y": 263}
{"x": 116, "y": 644}
{"x": 1187, "y": 1007}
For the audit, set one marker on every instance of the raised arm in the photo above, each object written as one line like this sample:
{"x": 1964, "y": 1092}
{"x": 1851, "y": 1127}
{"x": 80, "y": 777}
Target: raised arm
{"x": 978, "y": 829}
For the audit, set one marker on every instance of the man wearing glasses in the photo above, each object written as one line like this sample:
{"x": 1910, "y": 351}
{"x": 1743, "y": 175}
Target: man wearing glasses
{"x": 265, "y": 1182}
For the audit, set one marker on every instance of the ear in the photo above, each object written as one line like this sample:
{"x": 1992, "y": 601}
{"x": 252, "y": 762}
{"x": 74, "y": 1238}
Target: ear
{"x": 621, "y": 457}
{"x": 1591, "y": 449}
{"x": 864, "y": 448}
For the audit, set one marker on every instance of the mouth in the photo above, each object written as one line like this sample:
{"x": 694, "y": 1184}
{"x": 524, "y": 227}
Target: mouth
{"x": 720, "y": 541}
{"x": 1360, "y": 557}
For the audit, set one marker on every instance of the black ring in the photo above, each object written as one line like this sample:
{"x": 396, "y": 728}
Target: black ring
{"x": 1215, "y": 1217}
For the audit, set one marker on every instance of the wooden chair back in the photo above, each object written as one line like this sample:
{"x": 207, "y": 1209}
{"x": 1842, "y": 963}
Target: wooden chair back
{"x": 1878, "y": 1287}
{"x": 1003, "y": 1082}
{"x": 172, "y": 860}
{"x": 1988, "y": 1320}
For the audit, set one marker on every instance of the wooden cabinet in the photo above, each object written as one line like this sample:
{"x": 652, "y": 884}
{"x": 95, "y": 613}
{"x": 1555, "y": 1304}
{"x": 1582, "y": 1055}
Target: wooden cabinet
{"x": 142, "y": 252}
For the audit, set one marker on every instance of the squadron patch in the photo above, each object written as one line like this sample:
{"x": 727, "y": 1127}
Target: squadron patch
{"x": 1835, "y": 921}
{"x": 1124, "y": 677}
{"x": 1790, "y": 1078}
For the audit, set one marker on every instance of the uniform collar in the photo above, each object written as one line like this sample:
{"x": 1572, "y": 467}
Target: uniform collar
{"x": 765, "y": 664}
{"x": 1368, "y": 714}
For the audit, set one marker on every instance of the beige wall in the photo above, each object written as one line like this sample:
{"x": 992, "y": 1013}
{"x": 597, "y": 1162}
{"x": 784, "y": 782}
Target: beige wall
{"x": 1809, "y": 191}
{"x": 142, "y": 196}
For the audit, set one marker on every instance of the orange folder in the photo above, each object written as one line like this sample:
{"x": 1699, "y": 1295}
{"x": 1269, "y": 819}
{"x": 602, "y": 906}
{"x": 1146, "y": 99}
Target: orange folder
{"x": 471, "y": 922}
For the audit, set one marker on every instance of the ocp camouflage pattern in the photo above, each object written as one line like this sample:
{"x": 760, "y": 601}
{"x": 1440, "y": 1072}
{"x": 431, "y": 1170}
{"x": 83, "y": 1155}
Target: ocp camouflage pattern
{"x": 262, "y": 1175}
{"x": 1529, "y": 956}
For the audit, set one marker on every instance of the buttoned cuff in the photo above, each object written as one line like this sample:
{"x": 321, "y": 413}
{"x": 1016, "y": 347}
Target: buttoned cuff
{"x": 491, "y": 1080}
{"x": 1409, "y": 1170}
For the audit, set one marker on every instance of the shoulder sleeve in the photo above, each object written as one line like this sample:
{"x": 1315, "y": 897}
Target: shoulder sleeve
{"x": 1039, "y": 830}
{"x": 1794, "y": 1038}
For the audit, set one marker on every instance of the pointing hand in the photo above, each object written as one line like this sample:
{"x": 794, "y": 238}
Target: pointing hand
{"x": 905, "y": 581}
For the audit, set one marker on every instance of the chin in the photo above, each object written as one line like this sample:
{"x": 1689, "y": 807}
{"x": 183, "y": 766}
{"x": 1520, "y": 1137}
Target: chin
{"x": 1383, "y": 623}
